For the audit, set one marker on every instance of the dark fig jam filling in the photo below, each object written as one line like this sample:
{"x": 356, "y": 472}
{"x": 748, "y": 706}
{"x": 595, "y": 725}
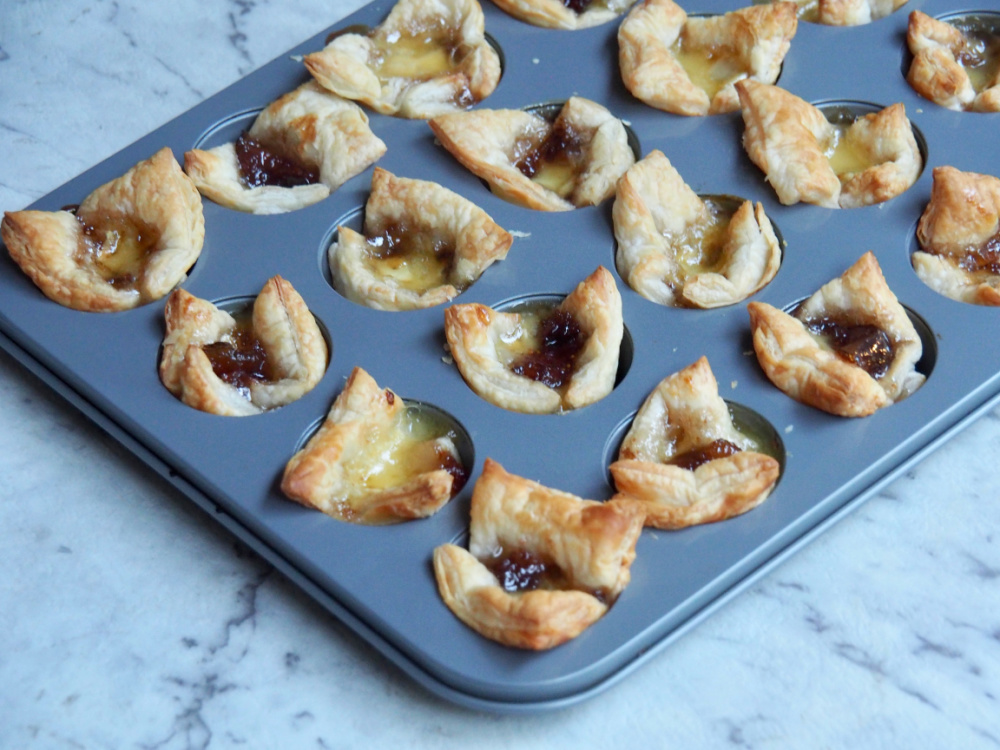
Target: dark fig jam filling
{"x": 692, "y": 459}
{"x": 577, "y": 6}
{"x": 260, "y": 166}
{"x": 983, "y": 259}
{"x": 554, "y": 162}
{"x": 241, "y": 360}
{"x": 866, "y": 346}
{"x": 553, "y": 363}
{"x": 519, "y": 570}
{"x": 448, "y": 462}
{"x": 415, "y": 259}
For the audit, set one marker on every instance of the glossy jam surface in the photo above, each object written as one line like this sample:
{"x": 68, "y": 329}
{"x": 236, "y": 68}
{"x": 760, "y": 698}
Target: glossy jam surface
{"x": 259, "y": 166}
{"x": 846, "y": 157}
{"x": 240, "y": 359}
{"x": 418, "y": 55}
{"x": 117, "y": 248}
{"x": 545, "y": 345}
{"x": 556, "y": 162}
{"x": 692, "y": 459}
{"x": 415, "y": 260}
{"x": 866, "y": 346}
{"x": 981, "y": 54}
{"x": 985, "y": 259}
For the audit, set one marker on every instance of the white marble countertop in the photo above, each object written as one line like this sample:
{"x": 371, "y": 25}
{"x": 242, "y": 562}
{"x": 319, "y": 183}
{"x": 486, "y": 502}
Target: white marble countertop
{"x": 129, "y": 619}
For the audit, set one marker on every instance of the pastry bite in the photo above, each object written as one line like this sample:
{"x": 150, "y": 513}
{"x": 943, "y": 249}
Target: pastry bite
{"x": 425, "y": 58}
{"x": 301, "y": 148}
{"x": 687, "y": 65}
{"x": 573, "y": 161}
{"x": 542, "y": 565}
{"x": 684, "y": 459}
{"x": 542, "y": 358}
{"x": 959, "y": 237}
{"x": 847, "y": 163}
{"x": 128, "y": 243}
{"x": 422, "y": 246}
{"x": 955, "y": 64}
{"x": 846, "y": 12}
{"x": 849, "y": 349}
{"x": 376, "y": 459}
{"x": 569, "y": 15}
{"x": 246, "y": 362}
{"x": 676, "y": 248}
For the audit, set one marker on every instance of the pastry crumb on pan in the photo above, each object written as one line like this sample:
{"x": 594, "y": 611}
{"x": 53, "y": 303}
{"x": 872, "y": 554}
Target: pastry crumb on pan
{"x": 542, "y": 565}
{"x": 128, "y": 243}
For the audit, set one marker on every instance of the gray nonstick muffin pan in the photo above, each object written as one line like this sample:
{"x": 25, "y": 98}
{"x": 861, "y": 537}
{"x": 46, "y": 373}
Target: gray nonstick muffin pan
{"x": 379, "y": 580}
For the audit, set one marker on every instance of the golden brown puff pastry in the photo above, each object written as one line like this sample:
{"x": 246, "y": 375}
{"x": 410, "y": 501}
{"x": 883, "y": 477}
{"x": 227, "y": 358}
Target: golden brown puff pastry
{"x": 959, "y": 237}
{"x": 872, "y": 366}
{"x": 687, "y": 65}
{"x": 219, "y": 364}
{"x": 571, "y": 162}
{"x": 846, "y": 12}
{"x": 945, "y": 59}
{"x": 685, "y": 461}
{"x": 676, "y": 249}
{"x": 422, "y": 245}
{"x": 309, "y": 127}
{"x": 425, "y": 58}
{"x": 569, "y": 15}
{"x": 542, "y": 565}
{"x": 502, "y": 357}
{"x": 807, "y": 158}
{"x": 130, "y": 241}
{"x": 371, "y": 462}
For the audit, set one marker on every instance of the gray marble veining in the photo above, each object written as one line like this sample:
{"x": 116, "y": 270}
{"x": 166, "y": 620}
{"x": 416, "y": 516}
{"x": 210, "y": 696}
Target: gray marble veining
{"x": 129, "y": 620}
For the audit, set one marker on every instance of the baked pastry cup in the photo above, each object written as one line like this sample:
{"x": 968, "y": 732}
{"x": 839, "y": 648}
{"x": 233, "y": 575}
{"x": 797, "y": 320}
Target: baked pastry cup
{"x": 425, "y": 58}
{"x": 959, "y": 237}
{"x": 807, "y": 158}
{"x": 372, "y": 462}
{"x": 675, "y": 248}
{"x": 128, "y": 243}
{"x": 543, "y": 361}
{"x": 945, "y": 63}
{"x": 849, "y": 349}
{"x": 846, "y": 12}
{"x": 235, "y": 366}
{"x": 685, "y": 461}
{"x": 422, "y": 246}
{"x": 301, "y": 147}
{"x": 569, "y": 15}
{"x": 570, "y": 162}
{"x": 542, "y": 565}
{"x": 688, "y": 65}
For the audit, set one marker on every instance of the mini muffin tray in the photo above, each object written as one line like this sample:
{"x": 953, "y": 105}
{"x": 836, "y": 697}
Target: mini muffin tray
{"x": 379, "y": 580}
